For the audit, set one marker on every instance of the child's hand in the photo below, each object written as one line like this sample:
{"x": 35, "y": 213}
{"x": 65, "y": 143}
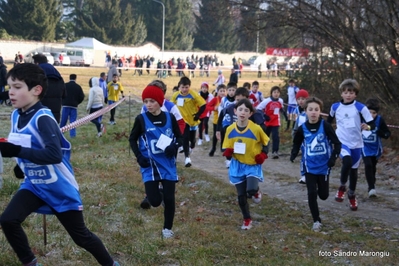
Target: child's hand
{"x": 9, "y": 150}
{"x": 261, "y": 157}
{"x": 18, "y": 172}
{"x": 365, "y": 127}
{"x": 228, "y": 153}
{"x": 171, "y": 150}
{"x": 143, "y": 161}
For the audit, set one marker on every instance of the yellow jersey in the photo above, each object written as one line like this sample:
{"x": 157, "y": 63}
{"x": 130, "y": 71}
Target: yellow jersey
{"x": 188, "y": 105}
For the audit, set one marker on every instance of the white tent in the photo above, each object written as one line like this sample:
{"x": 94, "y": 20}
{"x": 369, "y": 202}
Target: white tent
{"x": 89, "y": 43}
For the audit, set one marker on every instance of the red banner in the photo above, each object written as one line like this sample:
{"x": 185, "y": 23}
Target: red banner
{"x": 287, "y": 52}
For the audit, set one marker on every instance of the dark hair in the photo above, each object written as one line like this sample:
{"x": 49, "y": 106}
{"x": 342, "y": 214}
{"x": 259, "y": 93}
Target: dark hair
{"x": 72, "y": 77}
{"x": 221, "y": 86}
{"x": 291, "y": 81}
{"x": 90, "y": 83}
{"x": 175, "y": 88}
{"x": 349, "y": 85}
{"x": 373, "y": 104}
{"x": 231, "y": 84}
{"x": 31, "y": 74}
{"x": 255, "y": 83}
{"x": 184, "y": 81}
{"x": 247, "y": 85}
{"x": 275, "y": 88}
{"x": 39, "y": 59}
{"x": 242, "y": 91}
{"x": 114, "y": 75}
{"x": 102, "y": 74}
{"x": 245, "y": 102}
{"x": 313, "y": 100}
{"x": 158, "y": 83}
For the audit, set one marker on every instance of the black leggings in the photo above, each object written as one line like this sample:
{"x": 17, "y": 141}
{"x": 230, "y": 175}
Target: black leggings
{"x": 346, "y": 171}
{"x": 244, "y": 190}
{"x": 203, "y": 127}
{"x": 214, "y": 138}
{"x": 370, "y": 165}
{"x": 24, "y": 203}
{"x": 155, "y": 198}
{"x": 188, "y": 140}
{"x": 317, "y": 185}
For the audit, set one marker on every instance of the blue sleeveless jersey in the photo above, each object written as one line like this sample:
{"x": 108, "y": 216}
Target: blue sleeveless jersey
{"x": 372, "y": 144}
{"x": 161, "y": 166}
{"x": 317, "y": 151}
{"x": 55, "y": 184}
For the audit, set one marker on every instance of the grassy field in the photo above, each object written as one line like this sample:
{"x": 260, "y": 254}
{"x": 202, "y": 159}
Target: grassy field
{"x": 207, "y": 220}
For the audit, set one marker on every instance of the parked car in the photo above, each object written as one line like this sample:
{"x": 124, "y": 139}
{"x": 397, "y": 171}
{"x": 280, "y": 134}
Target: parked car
{"x": 50, "y": 58}
{"x": 66, "y": 61}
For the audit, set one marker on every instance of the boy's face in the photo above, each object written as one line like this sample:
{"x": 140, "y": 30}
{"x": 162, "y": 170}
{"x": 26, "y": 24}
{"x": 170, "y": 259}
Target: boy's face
{"x": 348, "y": 96}
{"x": 291, "y": 84}
{"x": 373, "y": 113}
{"x": 275, "y": 94}
{"x": 222, "y": 92}
{"x": 313, "y": 112}
{"x": 255, "y": 88}
{"x": 184, "y": 89}
{"x": 231, "y": 91}
{"x": 115, "y": 78}
{"x": 204, "y": 89}
{"x": 242, "y": 112}
{"x": 20, "y": 96}
{"x": 301, "y": 101}
{"x": 152, "y": 105}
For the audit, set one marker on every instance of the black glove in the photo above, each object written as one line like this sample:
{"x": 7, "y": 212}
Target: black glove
{"x": 18, "y": 172}
{"x": 143, "y": 161}
{"x": 196, "y": 117}
{"x": 292, "y": 158}
{"x": 106, "y": 100}
{"x": 331, "y": 161}
{"x": 9, "y": 150}
{"x": 171, "y": 150}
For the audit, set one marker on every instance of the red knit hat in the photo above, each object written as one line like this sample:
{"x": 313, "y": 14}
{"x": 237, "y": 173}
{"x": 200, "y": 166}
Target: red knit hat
{"x": 153, "y": 92}
{"x": 205, "y": 84}
{"x": 302, "y": 93}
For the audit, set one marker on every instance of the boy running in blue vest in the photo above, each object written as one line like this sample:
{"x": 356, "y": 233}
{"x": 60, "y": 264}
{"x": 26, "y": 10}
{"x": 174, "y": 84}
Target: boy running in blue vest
{"x": 155, "y": 139}
{"x": 315, "y": 138}
{"x": 42, "y": 154}
{"x": 372, "y": 149}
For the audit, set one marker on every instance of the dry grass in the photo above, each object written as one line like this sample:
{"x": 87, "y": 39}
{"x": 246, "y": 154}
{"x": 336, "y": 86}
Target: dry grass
{"x": 207, "y": 215}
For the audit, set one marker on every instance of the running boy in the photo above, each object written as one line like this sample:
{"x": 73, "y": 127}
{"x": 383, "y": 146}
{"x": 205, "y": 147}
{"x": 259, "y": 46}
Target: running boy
{"x": 191, "y": 105}
{"x": 291, "y": 91}
{"x": 246, "y": 145}
{"x": 272, "y": 106}
{"x": 315, "y": 138}
{"x": 372, "y": 149}
{"x": 157, "y": 158}
{"x": 256, "y": 93}
{"x": 349, "y": 115}
{"x": 301, "y": 118}
{"x": 213, "y": 106}
{"x": 42, "y": 153}
{"x": 203, "y": 126}
{"x": 114, "y": 88}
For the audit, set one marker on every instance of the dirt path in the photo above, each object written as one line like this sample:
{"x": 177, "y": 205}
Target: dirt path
{"x": 281, "y": 181}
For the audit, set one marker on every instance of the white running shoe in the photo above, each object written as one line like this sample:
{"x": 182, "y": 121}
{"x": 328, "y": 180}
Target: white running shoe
{"x": 247, "y": 224}
{"x": 207, "y": 138}
{"x": 180, "y": 150}
{"x": 372, "y": 193}
{"x": 257, "y": 197}
{"x": 199, "y": 142}
{"x": 302, "y": 180}
{"x": 316, "y": 227}
{"x": 227, "y": 163}
{"x": 187, "y": 162}
{"x": 166, "y": 233}
{"x": 99, "y": 134}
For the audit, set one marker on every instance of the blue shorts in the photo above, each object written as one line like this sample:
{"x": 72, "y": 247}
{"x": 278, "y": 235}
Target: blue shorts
{"x": 355, "y": 154}
{"x": 238, "y": 172}
{"x": 291, "y": 108}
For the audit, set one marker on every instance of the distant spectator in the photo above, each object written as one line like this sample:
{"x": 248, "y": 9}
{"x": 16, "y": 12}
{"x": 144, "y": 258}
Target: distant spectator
{"x": 56, "y": 86}
{"x": 233, "y": 76}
